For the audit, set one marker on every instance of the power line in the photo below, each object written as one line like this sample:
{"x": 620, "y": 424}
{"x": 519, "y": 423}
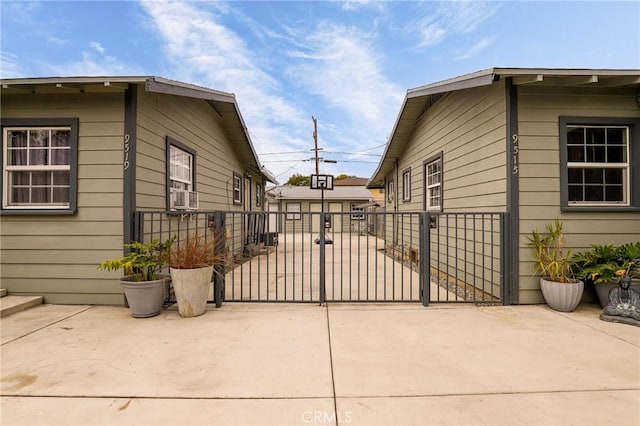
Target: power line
{"x": 361, "y": 152}
{"x": 353, "y": 153}
{"x": 284, "y": 152}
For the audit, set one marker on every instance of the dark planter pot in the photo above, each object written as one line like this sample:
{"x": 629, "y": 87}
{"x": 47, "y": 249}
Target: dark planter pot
{"x": 563, "y": 297}
{"x": 145, "y": 298}
{"x": 602, "y": 289}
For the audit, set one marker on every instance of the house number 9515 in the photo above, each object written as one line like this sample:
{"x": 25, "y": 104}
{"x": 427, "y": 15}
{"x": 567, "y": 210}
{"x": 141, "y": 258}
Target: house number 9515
{"x": 515, "y": 150}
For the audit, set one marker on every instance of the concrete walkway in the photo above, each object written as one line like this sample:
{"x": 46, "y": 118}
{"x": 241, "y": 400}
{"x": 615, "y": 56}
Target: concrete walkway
{"x": 281, "y": 364}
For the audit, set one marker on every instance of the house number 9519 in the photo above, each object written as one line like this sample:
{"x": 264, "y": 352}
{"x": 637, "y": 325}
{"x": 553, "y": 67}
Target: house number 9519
{"x": 127, "y": 139}
{"x": 515, "y": 150}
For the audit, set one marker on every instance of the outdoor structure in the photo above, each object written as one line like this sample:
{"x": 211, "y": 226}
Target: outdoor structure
{"x": 82, "y": 156}
{"x": 294, "y": 200}
{"x": 534, "y": 144}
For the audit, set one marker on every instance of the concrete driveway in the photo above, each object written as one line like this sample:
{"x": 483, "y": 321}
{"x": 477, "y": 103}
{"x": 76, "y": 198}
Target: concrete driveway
{"x": 281, "y": 364}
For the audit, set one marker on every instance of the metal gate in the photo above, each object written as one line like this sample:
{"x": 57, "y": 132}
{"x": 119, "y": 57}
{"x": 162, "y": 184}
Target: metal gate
{"x": 355, "y": 257}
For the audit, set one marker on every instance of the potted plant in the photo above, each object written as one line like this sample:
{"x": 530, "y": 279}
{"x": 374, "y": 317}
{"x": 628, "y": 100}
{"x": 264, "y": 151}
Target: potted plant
{"x": 191, "y": 263}
{"x": 605, "y": 264}
{"x": 560, "y": 288}
{"x": 143, "y": 283}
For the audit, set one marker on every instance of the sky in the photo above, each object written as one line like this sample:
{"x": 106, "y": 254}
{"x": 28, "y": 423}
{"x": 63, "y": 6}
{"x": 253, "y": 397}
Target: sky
{"x": 347, "y": 63}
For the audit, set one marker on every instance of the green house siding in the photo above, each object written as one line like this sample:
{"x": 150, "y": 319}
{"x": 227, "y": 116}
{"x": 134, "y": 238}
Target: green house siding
{"x": 468, "y": 128}
{"x": 56, "y": 256}
{"x": 194, "y": 123}
{"x": 539, "y": 110}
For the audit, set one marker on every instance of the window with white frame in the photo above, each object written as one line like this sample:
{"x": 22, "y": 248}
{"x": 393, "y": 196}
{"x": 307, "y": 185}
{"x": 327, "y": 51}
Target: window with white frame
{"x": 390, "y": 191}
{"x": 293, "y": 211}
{"x": 258, "y": 195}
{"x": 39, "y": 165}
{"x": 433, "y": 183}
{"x": 598, "y": 165}
{"x": 237, "y": 189}
{"x": 357, "y": 211}
{"x": 180, "y": 169}
{"x": 181, "y": 173}
{"x": 406, "y": 185}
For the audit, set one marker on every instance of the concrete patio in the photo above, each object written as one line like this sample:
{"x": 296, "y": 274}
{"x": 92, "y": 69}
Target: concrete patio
{"x": 282, "y": 364}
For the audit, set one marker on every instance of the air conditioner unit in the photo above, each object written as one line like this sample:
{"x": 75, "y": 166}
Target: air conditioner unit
{"x": 184, "y": 200}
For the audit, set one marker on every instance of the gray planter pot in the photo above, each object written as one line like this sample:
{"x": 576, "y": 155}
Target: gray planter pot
{"x": 191, "y": 287}
{"x": 145, "y": 298}
{"x": 563, "y": 297}
{"x": 602, "y": 289}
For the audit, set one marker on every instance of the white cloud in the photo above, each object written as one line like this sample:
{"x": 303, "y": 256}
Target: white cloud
{"x": 355, "y": 5}
{"x": 97, "y": 47}
{"x": 432, "y": 35}
{"x": 93, "y": 65}
{"x": 449, "y": 18}
{"x": 476, "y": 48}
{"x": 332, "y": 62}
{"x": 10, "y": 66}
{"x": 342, "y": 66}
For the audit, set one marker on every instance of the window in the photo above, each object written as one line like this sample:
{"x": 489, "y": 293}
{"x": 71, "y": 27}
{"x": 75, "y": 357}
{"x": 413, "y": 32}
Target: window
{"x": 359, "y": 212}
{"x": 596, "y": 158}
{"x": 39, "y": 165}
{"x": 258, "y": 195}
{"x": 433, "y": 183}
{"x": 237, "y": 189}
{"x": 293, "y": 211}
{"x": 181, "y": 169}
{"x": 390, "y": 191}
{"x": 406, "y": 185}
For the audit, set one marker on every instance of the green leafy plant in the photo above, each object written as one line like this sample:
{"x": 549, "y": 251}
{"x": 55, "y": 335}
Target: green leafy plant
{"x": 606, "y": 263}
{"x": 198, "y": 251}
{"x": 552, "y": 262}
{"x": 144, "y": 260}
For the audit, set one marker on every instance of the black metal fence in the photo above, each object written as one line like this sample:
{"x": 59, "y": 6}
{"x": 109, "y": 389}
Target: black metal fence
{"x": 340, "y": 257}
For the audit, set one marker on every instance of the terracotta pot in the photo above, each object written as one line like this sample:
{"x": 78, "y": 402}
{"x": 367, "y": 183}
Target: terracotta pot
{"x": 563, "y": 297}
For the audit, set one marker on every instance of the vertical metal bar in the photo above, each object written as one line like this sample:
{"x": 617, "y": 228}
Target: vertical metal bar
{"x": 322, "y": 259}
{"x": 219, "y": 269}
{"x": 311, "y": 256}
{"x": 424, "y": 258}
{"x": 484, "y": 248}
{"x": 366, "y": 219}
{"x": 504, "y": 264}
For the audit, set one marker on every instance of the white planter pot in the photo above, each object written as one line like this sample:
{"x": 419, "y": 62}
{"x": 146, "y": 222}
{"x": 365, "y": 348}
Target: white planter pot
{"x": 191, "y": 287}
{"x": 563, "y": 297}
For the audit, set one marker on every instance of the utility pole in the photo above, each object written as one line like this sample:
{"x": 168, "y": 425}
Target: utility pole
{"x": 315, "y": 140}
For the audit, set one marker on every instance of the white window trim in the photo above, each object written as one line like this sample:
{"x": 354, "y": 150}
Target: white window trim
{"x": 430, "y": 187}
{"x": 6, "y": 169}
{"x": 390, "y": 191}
{"x": 625, "y": 166}
{"x": 293, "y": 214}
{"x": 357, "y": 213}
{"x": 237, "y": 189}
{"x": 187, "y": 182}
{"x": 258, "y": 195}
{"x": 406, "y": 185}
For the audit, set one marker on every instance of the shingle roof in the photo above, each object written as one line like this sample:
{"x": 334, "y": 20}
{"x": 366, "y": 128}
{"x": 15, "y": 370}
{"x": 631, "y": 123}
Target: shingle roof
{"x": 351, "y": 181}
